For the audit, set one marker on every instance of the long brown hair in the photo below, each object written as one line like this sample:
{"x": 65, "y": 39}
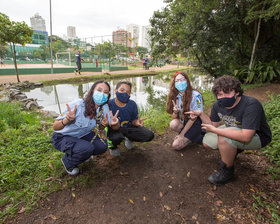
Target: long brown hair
{"x": 187, "y": 98}
{"x": 89, "y": 102}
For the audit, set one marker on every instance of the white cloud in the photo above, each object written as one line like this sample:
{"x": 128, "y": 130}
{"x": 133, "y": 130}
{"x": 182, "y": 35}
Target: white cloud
{"x": 90, "y": 17}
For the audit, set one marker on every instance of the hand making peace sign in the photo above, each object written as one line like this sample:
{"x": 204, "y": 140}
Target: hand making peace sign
{"x": 139, "y": 122}
{"x": 114, "y": 118}
{"x": 176, "y": 108}
{"x": 71, "y": 115}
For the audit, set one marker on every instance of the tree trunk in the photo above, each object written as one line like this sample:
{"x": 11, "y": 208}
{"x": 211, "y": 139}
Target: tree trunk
{"x": 254, "y": 47}
{"x": 15, "y": 62}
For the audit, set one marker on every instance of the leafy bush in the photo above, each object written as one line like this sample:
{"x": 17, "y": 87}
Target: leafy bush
{"x": 272, "y": 109}
{"x": 260, "y": 73}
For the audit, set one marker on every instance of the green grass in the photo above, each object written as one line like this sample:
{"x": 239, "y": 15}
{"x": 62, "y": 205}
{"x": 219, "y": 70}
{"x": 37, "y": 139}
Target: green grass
{"x": 26, "y": 159}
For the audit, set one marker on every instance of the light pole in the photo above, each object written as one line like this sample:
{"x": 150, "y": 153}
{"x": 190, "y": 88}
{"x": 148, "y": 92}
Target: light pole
{"x": 51, "y": 36}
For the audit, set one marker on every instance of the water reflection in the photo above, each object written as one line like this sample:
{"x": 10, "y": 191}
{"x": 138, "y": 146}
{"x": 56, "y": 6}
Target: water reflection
{"x": 146, "y": 91}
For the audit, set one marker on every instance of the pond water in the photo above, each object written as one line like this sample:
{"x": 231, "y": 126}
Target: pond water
{"x": 146, "y": 91}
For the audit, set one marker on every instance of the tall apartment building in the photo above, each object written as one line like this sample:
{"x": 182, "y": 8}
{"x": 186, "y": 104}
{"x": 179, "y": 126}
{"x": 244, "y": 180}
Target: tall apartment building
{"x": 122, "y": 37}
{"x": 71, "y": 31}
{"x": 146, "y": 40}
{"x": 135, "y": 31}
{"x": 38, "y": 23}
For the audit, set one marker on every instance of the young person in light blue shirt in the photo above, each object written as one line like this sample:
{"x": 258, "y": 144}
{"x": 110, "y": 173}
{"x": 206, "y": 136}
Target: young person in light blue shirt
{"x": 79, "y": 131}
{"x": 183, "y": 98}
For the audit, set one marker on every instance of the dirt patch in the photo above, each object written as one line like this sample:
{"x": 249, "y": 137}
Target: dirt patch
{"x": 154, "y": 184}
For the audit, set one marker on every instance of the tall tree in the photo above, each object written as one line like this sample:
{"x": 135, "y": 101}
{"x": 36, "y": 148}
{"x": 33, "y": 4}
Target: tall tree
{"x": 15, "y": 33}
{"x": 214, "y": 33}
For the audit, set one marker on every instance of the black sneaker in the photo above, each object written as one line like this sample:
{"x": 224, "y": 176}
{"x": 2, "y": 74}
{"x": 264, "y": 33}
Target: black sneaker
{"x": 223, "y": 175}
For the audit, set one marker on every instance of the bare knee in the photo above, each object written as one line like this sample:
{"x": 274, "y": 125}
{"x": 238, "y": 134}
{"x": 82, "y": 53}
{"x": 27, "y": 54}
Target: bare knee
{"x": 175, "y": 125}
{"x": 207, "y": 146}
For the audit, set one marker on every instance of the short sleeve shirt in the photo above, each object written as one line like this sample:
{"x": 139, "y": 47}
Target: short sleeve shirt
{"x": 78, "y": 57}
{"x": 196, "y": 102}
{"x": 127, "y": 114}
{"x": 82, "y": 125}
{"x": 247, "y": 114}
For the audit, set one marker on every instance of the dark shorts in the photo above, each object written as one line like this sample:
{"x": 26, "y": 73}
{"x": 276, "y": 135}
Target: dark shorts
{"x": 195, "y": 133}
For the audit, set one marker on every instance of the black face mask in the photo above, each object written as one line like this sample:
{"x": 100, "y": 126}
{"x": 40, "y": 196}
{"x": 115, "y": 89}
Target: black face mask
{"x": 226, "y": 101}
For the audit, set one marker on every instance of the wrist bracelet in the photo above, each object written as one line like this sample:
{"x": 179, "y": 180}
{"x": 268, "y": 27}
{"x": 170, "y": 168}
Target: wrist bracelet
{"x": 62, "y": 123}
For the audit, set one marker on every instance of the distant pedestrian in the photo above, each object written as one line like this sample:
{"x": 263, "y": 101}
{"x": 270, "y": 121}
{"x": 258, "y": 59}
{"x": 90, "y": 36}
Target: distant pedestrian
{"x": 147, "y": 60}
{"x": 144, "y": 63}
{"x": 79, "y": 59}
{"x": 2, "y": 62}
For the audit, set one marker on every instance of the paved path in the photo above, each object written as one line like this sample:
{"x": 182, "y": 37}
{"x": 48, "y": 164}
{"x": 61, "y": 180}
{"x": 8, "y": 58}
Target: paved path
{"x": 43, "y": 77}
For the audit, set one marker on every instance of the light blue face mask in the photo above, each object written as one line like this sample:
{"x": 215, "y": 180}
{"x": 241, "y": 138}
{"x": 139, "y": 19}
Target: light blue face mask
{"x": 181, "y": 86}
{"x": 99, "y": 98}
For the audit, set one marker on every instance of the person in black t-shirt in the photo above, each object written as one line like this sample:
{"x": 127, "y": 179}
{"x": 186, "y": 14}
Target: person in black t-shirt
{"x": 244, "y": 125}
{"x": 130, "y": 123}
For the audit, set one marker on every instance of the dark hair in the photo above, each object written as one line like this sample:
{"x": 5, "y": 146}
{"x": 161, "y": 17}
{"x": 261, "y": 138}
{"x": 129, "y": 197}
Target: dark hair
{"x": 227, "y": 83}
{"x": 174, "y": 92}
{"x": 89, "y": 102}
{"x": 123, "y": 82}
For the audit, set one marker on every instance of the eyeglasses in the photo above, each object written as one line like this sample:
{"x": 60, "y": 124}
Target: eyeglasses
{"x": 180, "y": 80}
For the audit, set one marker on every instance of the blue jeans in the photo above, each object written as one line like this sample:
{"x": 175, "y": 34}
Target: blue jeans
{"x": 77, "y": 150}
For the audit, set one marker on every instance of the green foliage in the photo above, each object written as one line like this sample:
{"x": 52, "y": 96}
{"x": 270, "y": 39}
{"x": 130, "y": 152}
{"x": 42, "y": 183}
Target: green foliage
{"x": 25, "y": 155}
{"x": 264, "y": 202}
{"x": 213, "y": 34}
{"x": 260, "y": 73}
{"x": 272, "y": 109}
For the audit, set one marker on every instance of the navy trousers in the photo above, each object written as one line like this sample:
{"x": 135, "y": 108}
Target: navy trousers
{"x": 77, "y": 150}
{"x": 133, "y": 133}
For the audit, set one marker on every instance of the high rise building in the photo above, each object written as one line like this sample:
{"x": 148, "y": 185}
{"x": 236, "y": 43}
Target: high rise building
{"x": 38, "y": 23}
{"x": 134, "y": 30}
{"x": 146, "y": 39}
{"x": 122, "y": 37}
{"x": 71, "y": 31}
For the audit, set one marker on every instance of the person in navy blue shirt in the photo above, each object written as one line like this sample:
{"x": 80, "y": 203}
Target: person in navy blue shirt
{"x": 79, "y": 131}
{"x": 130, "y": 123}
{"x": 78, "y": 60}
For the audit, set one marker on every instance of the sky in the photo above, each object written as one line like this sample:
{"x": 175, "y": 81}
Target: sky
{"x": 91, "y": 18}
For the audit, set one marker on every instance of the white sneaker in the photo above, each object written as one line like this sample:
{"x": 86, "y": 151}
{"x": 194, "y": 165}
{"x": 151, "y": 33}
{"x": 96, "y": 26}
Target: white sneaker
{"x": 73, "y": 171}
{"x": 128, "y": 144}
{"x": 115, "y": 152}
{"x": 89, "y": 159}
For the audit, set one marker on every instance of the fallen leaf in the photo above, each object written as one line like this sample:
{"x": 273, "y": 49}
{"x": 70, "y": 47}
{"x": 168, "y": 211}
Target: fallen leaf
{"x": 218, "y": 203}
{"x": 167, "y": 207}
{"x": 51, "y": 166}
{"x": 224, "y": 211}
{"x": 211, "y": 193}
{"x": 194, "y": 217}
{"x": 189, "y": 174}
{"x": 73, "y": 194}
{"x": 144, "y": 198}
{"x": 49, "y": 179}
{"x": 21, "y": 210}
{"x": 52, "y": 216}
{"x": 123, "y": 173}
{"x": 161, "y": 194}
{"x": 221, "y": 217}
{"x": 132, "y": 202}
